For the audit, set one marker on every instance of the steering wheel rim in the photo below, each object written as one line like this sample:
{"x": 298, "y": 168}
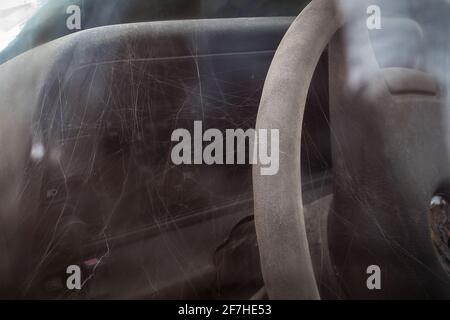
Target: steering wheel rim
{"x": 280, "y": 225}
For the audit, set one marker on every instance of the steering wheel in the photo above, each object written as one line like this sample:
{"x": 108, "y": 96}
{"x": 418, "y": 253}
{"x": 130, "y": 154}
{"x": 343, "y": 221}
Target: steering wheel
{"x": 393, "y": 175}
{"x": 281, "y": 233}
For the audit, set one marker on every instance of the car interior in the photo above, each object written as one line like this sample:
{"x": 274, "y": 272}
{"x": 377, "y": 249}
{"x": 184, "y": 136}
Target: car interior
{"x": 86, "y": 177}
